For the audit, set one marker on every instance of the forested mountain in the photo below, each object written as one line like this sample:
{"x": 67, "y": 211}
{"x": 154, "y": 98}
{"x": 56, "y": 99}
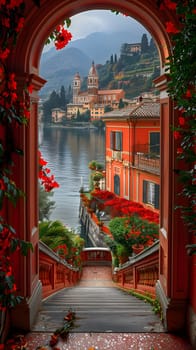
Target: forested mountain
{"x": 59, "y": 67}
{"x": 133, "y": 71}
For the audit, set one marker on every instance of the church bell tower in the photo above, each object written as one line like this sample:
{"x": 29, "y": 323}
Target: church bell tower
{"x": 93, "y": 82}
{"x": 76, "y": 87}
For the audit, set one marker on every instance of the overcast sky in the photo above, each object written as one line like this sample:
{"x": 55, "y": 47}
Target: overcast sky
{"x": 88, "y": 22}
{"x": 92, "y": 21}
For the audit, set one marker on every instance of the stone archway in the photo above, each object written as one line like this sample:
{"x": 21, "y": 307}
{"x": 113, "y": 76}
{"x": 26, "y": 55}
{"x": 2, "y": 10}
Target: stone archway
{"x": 172, "y": 290}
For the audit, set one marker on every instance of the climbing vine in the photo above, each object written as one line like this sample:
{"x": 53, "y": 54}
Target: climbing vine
{"x": 15, "y": 112}
{"x": 181, "y": 71}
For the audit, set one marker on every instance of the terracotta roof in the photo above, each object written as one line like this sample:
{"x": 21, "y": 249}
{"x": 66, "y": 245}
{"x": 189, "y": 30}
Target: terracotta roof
{"x": 144, "y": 110}
{"x": 147, "y": 110}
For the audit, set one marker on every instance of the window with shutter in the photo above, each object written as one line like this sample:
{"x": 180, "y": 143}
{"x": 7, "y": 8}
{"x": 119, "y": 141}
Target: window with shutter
{"x": 112, "y": 139}
{"x": 155, "y": 142}
{"x": 151, "y": 193}
{"x": 118, "y": 145}
{"x": 117, "y": 185}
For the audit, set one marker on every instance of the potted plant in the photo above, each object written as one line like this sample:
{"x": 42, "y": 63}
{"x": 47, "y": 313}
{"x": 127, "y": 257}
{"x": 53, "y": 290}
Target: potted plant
{"x": 122, "y": 253}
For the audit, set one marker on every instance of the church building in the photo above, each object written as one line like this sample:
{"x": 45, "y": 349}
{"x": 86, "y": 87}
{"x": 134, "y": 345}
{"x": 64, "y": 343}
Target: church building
{"x": 92, "y": 99}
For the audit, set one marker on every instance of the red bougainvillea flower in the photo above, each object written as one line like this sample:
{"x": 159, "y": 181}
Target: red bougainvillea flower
{"x": 170, "y": 4}
{"x": 4, "y": 54}
{"x": 179, "y": 150}
{"x": 2, "y": 185}
{"x": 47, "y": 181}
{"x": 177, "y": 135}
{"x": 30, "y": 89}
{"x": 188, "y": 94}
{"x": 181, "y": 121}
{"x": 14, "y": 3}
{"x": 5, "y": 22}
{"x": 62, "y": 38}
{"x": 20, "y": 24}
{"x": 170, "y": 28}
{"x": 42, "y": 162}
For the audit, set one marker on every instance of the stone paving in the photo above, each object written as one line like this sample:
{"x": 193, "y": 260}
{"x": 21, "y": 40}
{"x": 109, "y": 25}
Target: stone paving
{"x": 112, "y": 341}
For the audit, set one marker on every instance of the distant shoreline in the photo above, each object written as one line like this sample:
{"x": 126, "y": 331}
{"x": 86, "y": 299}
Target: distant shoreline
{"x": 77, "y": 126}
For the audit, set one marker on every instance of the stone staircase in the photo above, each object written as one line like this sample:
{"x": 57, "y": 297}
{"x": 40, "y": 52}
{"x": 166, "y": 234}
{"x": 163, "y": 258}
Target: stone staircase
{"x": 99, "y": 307}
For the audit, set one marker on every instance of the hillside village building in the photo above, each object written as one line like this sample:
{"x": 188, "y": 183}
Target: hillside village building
{"x": 133, "y": 153}
{"x": 93, "y": 99}
{"x": 57, "y": 115}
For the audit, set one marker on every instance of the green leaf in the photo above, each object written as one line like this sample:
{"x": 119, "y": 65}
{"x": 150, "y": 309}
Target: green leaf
{"x": 68, "y": 22}
{"x": 25, "y": 247}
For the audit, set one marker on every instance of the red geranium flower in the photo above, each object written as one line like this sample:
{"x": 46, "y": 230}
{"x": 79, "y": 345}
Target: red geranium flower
{"x": 179, "y": 150}
{"x": 4, "y": 54}
{"x": 170, "y": 4}
{"x": 177, "y": 135}
{"x": 181, "y": 121}
{"x": 20, "y": 24}
{"x": 170, "y": 28}
{"x": 188, "y": 93}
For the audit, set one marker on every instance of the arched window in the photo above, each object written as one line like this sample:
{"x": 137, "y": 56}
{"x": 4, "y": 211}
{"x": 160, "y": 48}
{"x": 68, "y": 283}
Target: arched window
{"x": 117, "y": 185}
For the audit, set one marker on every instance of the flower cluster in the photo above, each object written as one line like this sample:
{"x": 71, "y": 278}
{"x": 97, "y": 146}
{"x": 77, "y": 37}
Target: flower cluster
{"x": 47, "y": 181}
{"x": 12, "y": 107}
{"x": 8, "y": 244}
{"x": 11, "y": 23}
{"x": 118, "y": 206}
{"x": 60, "y": 36}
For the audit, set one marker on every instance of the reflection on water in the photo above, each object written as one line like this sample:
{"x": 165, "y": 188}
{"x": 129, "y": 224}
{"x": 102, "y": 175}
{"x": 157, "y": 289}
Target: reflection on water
{"x": 68, "y": 152}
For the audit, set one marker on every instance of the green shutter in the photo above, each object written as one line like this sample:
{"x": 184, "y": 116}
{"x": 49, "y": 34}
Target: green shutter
{"x": 145, "y": 191}
{"x": 157, "y": 187}
{"x": 118, "y": 141}
{"x": 112, "y": 135}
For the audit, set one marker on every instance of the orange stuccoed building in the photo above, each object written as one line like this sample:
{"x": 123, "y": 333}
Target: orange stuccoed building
{"x": 133, "y": 153}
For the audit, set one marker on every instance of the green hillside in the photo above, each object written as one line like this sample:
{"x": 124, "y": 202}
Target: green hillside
{"x": 133, "y": 72}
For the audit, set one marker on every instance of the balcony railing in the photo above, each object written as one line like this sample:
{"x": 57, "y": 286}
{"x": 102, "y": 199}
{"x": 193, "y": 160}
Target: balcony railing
{"x": 141, "y": 272}
{"x": 148, "y": 162}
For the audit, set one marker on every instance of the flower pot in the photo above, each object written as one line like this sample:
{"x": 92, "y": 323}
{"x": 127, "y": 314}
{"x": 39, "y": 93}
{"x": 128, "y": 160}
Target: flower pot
{"x": 137, "y": 248}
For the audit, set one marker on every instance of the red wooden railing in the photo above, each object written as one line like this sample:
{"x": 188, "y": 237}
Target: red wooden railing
{"x": 54, "y": 272}
{"x": 96, "y": 256}
{"x": 141, "y": 272}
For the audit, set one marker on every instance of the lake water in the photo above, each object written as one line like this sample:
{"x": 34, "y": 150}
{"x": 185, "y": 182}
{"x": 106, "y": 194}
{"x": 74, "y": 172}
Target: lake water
{"x": 68, "y": 152}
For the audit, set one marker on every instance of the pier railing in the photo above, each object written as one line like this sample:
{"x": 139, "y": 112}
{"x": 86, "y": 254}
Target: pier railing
{"x": 141, "y": 272}
{"x": 54, "y": 272}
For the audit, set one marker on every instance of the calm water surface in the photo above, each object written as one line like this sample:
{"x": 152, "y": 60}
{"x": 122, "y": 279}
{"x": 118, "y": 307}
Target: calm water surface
{"x": 68, "y": 152}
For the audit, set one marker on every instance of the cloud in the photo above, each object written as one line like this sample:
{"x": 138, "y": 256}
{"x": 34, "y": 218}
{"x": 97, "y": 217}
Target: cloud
{"x": 88, "y": 22}
{"x": 85, "y": 23}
